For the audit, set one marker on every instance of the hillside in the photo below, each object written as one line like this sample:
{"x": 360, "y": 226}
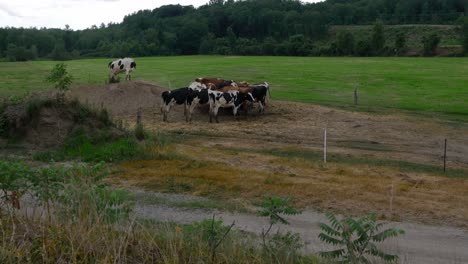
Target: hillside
{"x": 263, "y": 27}
{"x": 450, "y": 36}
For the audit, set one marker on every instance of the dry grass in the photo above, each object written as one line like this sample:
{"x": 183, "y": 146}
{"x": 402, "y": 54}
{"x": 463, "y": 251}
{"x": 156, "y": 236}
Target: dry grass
{"x": 61, "y": 241}
{"x": 344, "y": 188}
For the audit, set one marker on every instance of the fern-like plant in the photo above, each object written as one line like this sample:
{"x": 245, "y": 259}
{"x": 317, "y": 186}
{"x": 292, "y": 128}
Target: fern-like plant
{"x": 274, "y": 207}
{"x": 356, "y": 238}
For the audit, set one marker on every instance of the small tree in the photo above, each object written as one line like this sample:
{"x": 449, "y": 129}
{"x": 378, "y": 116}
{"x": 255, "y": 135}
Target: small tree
{"x": 378, "y": 38}
{"x": 430, "y": 43}
{"x": 356, "y": 238}
{"x": 465, "y": 35}
{"x": 400, "y": 43}
{"x": 345, "y": 43}
{"x": 280, "y": 248}
{"x": 273, "y": 207}
{"x": 61, "y": 79}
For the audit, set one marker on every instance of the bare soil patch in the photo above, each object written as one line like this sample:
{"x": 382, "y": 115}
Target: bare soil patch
{"x": 231, "y": 158}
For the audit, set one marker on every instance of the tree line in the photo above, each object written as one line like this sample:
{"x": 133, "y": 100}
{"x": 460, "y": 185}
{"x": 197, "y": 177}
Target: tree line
{"x": 249, "y": 27}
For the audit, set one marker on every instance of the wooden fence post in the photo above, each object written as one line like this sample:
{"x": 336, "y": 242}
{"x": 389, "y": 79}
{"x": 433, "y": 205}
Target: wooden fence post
{"x": 139, "y": 116}
{"x": 445, "y": 155}
{"x": 355, "y": 96}
{"x": 325, "y": 145}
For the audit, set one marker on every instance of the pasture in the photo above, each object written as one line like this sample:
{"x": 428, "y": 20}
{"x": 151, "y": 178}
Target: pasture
{"x": 426, "y": 86}
{"x": 383, "y": 156}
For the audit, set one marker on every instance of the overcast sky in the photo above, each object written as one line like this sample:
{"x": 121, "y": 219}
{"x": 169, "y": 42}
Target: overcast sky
{"x": 79, "y": 14}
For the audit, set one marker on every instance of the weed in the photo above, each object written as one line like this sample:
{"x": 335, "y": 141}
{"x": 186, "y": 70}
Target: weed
{"x": 356, "y": 238}
{"x": 139, "y": 132}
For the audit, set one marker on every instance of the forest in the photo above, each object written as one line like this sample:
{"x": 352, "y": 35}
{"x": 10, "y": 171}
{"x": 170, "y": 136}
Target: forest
{"x": 249, "y": 27}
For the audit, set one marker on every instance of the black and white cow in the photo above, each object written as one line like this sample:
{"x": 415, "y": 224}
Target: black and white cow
{"x": 177, "y": 96}
{"x": 126, "y": 65}
{"x": 259, "y": 93}
{"x": 198, "y": 95}
{"x": 232, "y": 99}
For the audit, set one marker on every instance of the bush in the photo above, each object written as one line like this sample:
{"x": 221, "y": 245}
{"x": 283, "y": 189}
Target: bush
{"x": 378, "y": 38}
{"x": 430, "y": 44}
{"x": 400, "y": 44}
{"x": 60, "y": 77}
{"x": 465, "y": 35}
{"x": 363, "y": 48}
{"x": 139, "y": 132}
{"x": 13, "y": 182}
{"x": 356, "y": 239}
{"x": 345, "y": 43}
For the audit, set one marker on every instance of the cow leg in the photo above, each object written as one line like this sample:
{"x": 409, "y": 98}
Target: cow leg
{"x": 166, "y": 111}
{"x": 261, "y": 106}
{"x": 191, "y": 108}
{"x": 234, "y": 111}
{"x": 215, "y": 113}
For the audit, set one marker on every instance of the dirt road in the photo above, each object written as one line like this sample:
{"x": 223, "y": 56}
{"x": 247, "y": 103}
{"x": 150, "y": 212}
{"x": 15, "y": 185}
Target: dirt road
{"x": 420, "y": 244}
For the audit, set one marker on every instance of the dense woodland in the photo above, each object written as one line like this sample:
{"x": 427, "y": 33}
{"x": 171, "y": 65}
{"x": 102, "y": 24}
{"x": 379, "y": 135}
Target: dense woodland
{"x": 249, "y": 27}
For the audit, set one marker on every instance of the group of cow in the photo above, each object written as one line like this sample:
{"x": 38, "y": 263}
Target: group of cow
{"x": 218, "y": 93}
{"x": 213, "y": 91}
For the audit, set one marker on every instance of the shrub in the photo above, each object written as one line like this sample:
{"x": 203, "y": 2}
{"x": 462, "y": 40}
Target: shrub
{"x": 378, "y": 38}
{"x": 400, "y": 43}
{"x": 13, "y": 182}
{"x": 465, "y": 35}
{"x": 86, "y": 196}
{"x": 356, "y": 238}
{"x": 60, "y": 78}
{"x": 139, "y": 132}
{"x": 345, "y": 43}
{"x": 430, "y": 43}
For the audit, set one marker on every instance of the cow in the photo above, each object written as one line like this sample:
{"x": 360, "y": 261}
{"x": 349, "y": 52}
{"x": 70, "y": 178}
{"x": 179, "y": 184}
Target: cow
{"x": 259, "y": 93}
{"x": 169, "y": 98}
{"x": 198, "y": 95}
{"x": 126, "y": 65}
{"x": 231, "y": 98}
{"x": 219, "y": 83}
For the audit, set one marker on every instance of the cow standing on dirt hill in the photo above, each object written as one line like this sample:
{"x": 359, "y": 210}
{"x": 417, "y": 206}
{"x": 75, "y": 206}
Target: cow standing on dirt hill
{"x": 126, "y": 65}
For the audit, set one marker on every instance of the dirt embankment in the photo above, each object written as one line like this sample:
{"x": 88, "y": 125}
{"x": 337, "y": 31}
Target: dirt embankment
{"x": 391, "y": 136}
{"x": 42, "y": 122}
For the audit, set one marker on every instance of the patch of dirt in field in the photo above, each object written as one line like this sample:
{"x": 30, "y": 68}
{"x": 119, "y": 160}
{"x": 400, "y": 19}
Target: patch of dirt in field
{"x": 233, "y": 158}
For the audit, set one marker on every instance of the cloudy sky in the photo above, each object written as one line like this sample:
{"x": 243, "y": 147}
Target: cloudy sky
{"x": 79, "y": 14}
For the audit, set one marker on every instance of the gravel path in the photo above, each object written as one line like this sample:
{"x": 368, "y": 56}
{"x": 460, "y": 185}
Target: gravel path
{"x": 420, "y": 244}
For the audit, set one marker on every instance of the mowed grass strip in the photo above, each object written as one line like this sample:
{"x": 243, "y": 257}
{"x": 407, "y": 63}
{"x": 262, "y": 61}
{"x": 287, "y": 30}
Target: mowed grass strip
{"x": 422, "y": 85}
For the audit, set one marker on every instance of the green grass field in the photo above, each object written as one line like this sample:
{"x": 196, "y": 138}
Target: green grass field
{"x": 430, "y": 86}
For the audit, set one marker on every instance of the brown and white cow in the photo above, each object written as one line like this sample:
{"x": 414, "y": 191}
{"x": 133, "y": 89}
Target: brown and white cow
{"x": 219, "y": 83}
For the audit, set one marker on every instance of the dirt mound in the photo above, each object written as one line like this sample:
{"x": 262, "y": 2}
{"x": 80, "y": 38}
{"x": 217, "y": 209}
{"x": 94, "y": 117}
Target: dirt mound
{"x": 40, "y": 123}
{"x": 122, "y": 98}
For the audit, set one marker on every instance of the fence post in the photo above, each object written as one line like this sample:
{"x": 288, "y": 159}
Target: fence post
{"x": 139, "y": 116}
{"x": 355, "y": 96}
{"x": 445, "y": 155}
{"x": 325, "y": 145}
